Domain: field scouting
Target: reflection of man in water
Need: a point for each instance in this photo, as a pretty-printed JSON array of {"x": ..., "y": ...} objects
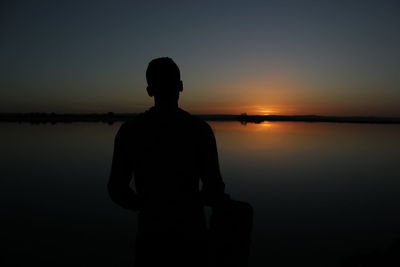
[{"x": 167, "y": 152}]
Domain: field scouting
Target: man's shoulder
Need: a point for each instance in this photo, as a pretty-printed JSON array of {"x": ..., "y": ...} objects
[
  {"x": 129, "y": 125},
  {"x": 146, "y": 120},
  {"x": 197, "y": 121}
]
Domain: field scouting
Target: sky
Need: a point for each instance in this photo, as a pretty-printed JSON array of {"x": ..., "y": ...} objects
[{"x": 255, "y": 57}]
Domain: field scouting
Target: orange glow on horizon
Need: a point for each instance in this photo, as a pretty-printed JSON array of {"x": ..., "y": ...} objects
[{"x": 264, "y": 111}]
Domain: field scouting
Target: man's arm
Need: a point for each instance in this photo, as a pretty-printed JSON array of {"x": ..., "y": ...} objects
[
  {"x": 212, "y": 184},
  {"x": 121, "y": 174}
]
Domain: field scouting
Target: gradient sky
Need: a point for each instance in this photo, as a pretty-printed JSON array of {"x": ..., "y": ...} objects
[{"x": 260, "y": 57}]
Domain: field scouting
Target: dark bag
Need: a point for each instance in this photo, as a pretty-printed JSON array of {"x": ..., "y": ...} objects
[{"x": 230, "y": 234}]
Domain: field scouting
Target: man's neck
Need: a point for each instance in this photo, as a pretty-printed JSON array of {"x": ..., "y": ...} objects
[{"x": 166, "y": 106}]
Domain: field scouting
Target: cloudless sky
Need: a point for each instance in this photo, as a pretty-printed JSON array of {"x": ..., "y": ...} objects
[{"x": 259, "y": 57}]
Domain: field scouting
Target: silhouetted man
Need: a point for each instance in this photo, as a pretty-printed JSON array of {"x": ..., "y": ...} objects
[{"x": 168, "y": 152}]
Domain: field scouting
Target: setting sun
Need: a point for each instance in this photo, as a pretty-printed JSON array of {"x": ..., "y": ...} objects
[{"x": 264, "y": 111}]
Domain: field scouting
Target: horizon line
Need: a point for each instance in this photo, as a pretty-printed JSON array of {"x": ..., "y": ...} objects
[
  {"x": 111, "y": 117},
  {"x": 111, "y": 113}
]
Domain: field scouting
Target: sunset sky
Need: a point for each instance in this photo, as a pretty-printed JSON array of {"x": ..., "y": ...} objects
[{"x": 259, "y": 57}]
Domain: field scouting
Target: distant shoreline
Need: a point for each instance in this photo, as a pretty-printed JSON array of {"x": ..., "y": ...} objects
[{"x": 110, "y": 117}]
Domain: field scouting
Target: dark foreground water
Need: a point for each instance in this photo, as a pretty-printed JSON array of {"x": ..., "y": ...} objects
[{"x": 321, "y": 192}]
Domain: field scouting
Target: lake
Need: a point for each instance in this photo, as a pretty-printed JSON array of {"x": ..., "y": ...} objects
[{"x": 321, "y": 192}]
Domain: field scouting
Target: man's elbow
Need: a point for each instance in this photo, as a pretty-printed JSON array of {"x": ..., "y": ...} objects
[
  {"x": 214, "y": 193},
  {"x": 123, "y": 196}
]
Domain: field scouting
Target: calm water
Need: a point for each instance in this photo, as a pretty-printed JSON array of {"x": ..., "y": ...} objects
[{"x": 320, "y": 191}]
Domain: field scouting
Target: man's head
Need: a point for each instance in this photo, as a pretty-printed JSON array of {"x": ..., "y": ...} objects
[{"x": 164, "y": 80}]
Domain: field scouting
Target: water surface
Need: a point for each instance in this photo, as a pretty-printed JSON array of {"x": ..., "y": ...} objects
[{"x": 320, "y": 191}]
